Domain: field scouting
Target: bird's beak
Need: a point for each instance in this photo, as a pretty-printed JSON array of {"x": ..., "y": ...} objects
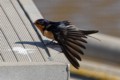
[{"x": 34, "y": 23}]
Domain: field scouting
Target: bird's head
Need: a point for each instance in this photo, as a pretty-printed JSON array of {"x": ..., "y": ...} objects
[{"x": 41, "y": 24}]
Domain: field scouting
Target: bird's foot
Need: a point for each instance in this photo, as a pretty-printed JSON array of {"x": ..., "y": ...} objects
[{"x": 51, "y": 43}]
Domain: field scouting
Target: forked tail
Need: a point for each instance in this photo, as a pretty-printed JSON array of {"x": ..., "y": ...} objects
[{"x": 85, "y": 32}]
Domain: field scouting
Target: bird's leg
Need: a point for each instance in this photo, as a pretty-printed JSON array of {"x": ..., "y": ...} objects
[{"x": 51, "y": 42}]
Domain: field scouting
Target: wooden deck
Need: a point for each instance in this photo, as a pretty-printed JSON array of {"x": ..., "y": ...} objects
[
  {"x": 22, "y": 44},
  {"x": 20, "y": 38}
]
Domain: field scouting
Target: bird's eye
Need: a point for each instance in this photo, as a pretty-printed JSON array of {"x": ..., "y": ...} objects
[{"x": 37, "y": 22}]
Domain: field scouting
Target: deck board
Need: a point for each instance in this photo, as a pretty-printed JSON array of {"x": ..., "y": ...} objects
[
  {"x": 34, "y": 14},
  {"x": 30, "y": 30},
  {"x": 11, "y": 36},
  {"x": 17, "y": 17},
  {"x": 21, "y": 43},
  {"x": 21, "y": 32},
  {"x": 7, "y": 55}
]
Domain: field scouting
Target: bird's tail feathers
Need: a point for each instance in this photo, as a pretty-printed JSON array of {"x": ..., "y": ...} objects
[{"x": 89, "y": 31}]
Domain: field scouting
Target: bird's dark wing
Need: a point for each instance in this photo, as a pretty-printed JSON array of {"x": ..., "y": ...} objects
[{"x": 71, "y": 41}]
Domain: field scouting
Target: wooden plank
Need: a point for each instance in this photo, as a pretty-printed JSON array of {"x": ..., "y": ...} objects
[
  {"x": 1, "y": 60},
  {"x": 7, "y": 55},
  {"x": 36, "y": 42},
  {"x": 29, "y": 5},
  {"x": 22, "y": 33},
  {"x": 11, "y": 36},
  {"x": 34, "y": 14}
]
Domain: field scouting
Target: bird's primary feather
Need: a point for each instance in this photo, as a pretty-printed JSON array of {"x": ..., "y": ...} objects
[{"x": 71, "y": 44}]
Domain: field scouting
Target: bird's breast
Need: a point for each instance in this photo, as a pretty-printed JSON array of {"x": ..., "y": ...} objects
[{"x": 48, "y": 34}]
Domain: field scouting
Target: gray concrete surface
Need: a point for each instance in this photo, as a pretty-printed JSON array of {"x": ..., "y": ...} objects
[{"x": 33, "y": 71}]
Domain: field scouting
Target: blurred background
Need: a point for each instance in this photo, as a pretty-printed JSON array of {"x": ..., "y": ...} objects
[
  {"x": 103, "y": 15},
  {"x": 102, "y": 57}
]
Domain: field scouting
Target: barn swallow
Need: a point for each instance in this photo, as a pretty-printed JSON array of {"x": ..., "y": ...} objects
[{"x": 68, "y": 36}]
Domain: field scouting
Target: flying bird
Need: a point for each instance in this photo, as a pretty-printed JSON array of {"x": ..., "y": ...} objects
[{"x": 69, "y": 37}]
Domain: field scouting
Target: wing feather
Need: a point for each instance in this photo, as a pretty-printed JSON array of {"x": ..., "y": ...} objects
[
  {"x": 74, "y": 46},
  {"x": 76, "y": 54},
  {"x": 77, "y": 43},
  {"x": 71, "y": 41},
  {"x": 77, "y": 38},
  {"x": 68, "y": 54}
]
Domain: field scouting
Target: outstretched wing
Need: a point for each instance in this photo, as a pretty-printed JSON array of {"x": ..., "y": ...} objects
[{"x": 71, "y": 41}]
